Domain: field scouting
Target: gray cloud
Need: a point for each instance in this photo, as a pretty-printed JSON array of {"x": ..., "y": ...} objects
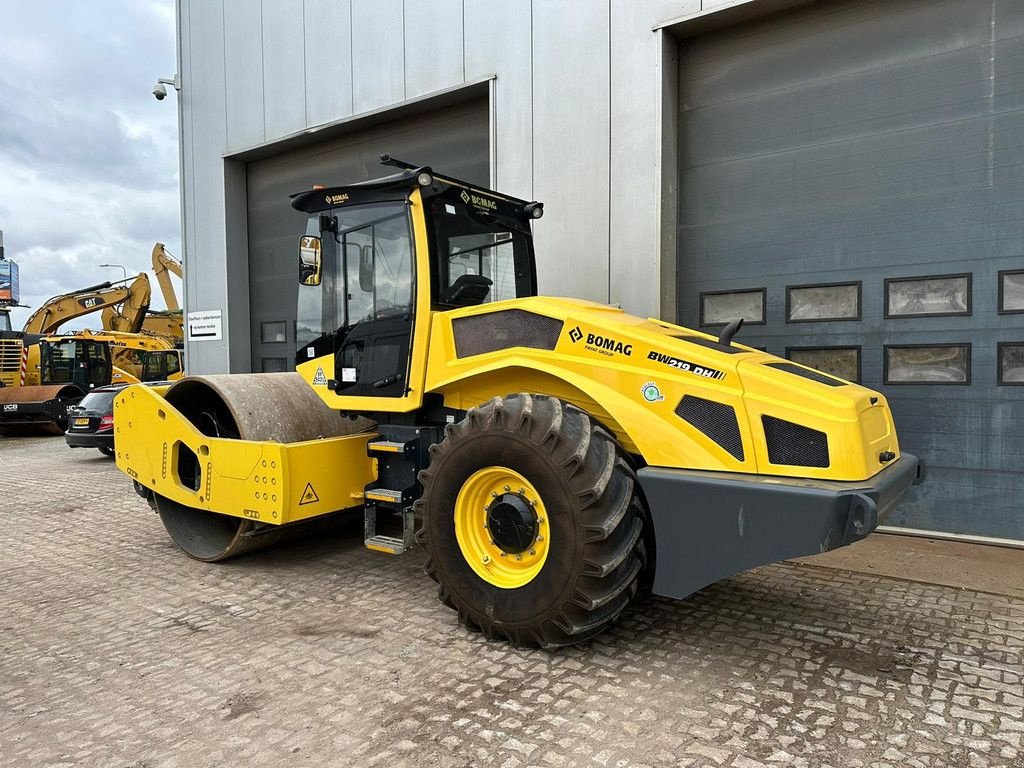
[{"x": 88, "y": 159}]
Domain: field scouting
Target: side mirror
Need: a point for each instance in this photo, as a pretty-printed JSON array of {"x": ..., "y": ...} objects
[
  {"x": 366, "y": 269},
  {"x": 309, "y": 260}
]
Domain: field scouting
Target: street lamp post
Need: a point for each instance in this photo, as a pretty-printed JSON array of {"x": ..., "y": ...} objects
[{"x": 122, "y": 267}]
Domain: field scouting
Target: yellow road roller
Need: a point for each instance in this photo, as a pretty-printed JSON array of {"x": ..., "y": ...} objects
[{"x": 554, "y": 457}]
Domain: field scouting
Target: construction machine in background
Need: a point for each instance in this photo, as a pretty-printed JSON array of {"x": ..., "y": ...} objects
[
  {"x": 162, "y": 365},
  {"x": 169, "y": 323},
  {"x": 555, "y": 457},
  {"x": 69, "y": 367}
]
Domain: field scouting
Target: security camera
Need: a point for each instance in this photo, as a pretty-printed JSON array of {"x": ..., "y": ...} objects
[{"x": 159, "y": 92}]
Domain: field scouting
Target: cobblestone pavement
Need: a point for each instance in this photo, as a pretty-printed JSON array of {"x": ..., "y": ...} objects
[{"x": 117, "y": 650}]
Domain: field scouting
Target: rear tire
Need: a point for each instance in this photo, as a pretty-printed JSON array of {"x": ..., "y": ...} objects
[
  {"x": 106, "y": 451},
  {"x": 594, "y": 554}
]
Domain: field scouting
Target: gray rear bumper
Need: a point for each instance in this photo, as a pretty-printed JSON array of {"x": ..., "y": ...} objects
[{"x": 709, "y": 525}]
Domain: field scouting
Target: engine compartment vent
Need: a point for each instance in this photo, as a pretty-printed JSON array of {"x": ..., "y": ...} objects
[
  {"x": 716, "y": 420},
  {"x": 507, "y": 328},
  {"x": 793, "y": 444}
]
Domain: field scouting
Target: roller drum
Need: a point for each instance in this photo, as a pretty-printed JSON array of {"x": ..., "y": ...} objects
[{"x": 271, "y": 407}]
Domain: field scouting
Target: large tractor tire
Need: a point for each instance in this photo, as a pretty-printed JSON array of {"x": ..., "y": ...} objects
[
  {"x": 532, "y": 522},
  {"x": 277, "y": 407}
]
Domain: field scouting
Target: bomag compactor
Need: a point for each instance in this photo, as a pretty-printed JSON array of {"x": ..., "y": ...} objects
[{"x": 554, "y": 457}]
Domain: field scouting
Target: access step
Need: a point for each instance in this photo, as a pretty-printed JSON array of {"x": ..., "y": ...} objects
[
  {"x": 389, "y": 545},
  {"x": 381, "y": 542},
  {"x": 387, "y": 495},
  {"x": 388, "y": 446}
]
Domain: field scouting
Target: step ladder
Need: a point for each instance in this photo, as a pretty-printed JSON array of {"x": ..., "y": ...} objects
[{"x": 400, "y": 452}]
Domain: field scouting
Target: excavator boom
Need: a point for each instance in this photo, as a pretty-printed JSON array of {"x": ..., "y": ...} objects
[{"x": 163, "y": 262}]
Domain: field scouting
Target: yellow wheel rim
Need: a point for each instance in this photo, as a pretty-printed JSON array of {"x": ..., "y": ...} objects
[{"x": 486, "y": 506}]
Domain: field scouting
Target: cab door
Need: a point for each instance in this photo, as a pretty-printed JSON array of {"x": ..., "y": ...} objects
[{"x": 381, "y": 349}]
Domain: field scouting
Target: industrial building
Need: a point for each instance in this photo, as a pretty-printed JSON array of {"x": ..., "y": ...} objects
[{"x": 845, "y": 174}]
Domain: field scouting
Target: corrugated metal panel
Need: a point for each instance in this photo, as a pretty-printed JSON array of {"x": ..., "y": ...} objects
[
  {"x": 510, "y": 55},
  {"x": 571, "y": 145},
  {"x": 453, "y": 139},
  {"x": 328, "y": 49},
  {"x": 429, "y": 64},
  {"x": 284, "y": 64},
  {"x": 858, "y": 141},
  {"x": 378, "y": 54},
  {"x": 242, "y": 62}
]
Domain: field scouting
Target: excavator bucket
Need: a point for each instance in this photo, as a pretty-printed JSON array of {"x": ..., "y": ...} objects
[{"x": 41, "y": 410}]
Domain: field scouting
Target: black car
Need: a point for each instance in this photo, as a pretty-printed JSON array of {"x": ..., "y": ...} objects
[{"x": 91, "y": 423}]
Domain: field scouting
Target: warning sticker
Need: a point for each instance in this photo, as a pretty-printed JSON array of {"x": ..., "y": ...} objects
[
  {"x": 309, "y": 495},
  {"x": 319, "y": 380}
]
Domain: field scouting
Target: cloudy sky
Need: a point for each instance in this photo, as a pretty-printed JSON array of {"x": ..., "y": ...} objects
[{"x": 88, "y": 158}]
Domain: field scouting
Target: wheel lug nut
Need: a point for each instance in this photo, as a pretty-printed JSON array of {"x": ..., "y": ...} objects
[
  {"x": 507, "y": 489},
  {"x": 533, "y": 551},
  {"x": 540, "y": 538},
  {"x": 504, "y": 554},
  {"x": 521, "y": 491},
  {"x": 519, "y": 557},
  {"x": 494, "y": 494},
  {"x": 487, "y": 560}
]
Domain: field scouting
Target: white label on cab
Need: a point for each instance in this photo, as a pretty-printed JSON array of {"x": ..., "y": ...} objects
[{"x": 348, "y": 374}]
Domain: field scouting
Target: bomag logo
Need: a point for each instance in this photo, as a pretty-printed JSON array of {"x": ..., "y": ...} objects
[
  {"x": 604, "y": 345},
  {"x": 337, "y": 199},
  {"x": 479, "y": 202}
]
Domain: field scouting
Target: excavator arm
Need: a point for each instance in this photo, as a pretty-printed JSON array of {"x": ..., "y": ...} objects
[
  {"x": 128, "y": 315},
  {"x": 104, "y": 296},
  {"x": 163, "y": 262}
]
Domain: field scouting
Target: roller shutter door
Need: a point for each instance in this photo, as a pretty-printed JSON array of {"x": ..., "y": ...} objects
[
  {"x": 878, "y": 146},
  {"x": 454, "y": 140}
]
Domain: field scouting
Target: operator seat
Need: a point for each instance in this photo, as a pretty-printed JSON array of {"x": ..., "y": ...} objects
[{"x": 466, "y": 291}]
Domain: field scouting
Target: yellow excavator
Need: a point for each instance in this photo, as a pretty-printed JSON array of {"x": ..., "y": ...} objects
[
  {"x": 554, "y": 457},
  {"x": 168, "y": 323}
]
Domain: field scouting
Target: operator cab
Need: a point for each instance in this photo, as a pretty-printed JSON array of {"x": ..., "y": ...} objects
[
  {"x": 378, "y": 254},
  {"x": 83, "y": 362},
  {"x": 160, "y": 364}
]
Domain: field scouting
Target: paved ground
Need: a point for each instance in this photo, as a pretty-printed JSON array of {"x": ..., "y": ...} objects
[{"x": 116, "y": 650}]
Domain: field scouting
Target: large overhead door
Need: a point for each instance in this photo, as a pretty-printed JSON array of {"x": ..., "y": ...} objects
[
  {"x": 454, "y": 140},
  {"x": 852, "y": 176}
]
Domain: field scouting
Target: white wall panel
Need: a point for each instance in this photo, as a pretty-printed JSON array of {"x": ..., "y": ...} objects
[
  {"x": 378, "y": 54},
  {"x": 243, "y": 71},
  {"x": 328, "y": 76},
  {"x": 433, "y": 45},
  {"x": 284, "y": 64},
  {"x": 509, "y": 55},
  {"x": 635, "y": 171},
  {"x": 570, "y": 158}
]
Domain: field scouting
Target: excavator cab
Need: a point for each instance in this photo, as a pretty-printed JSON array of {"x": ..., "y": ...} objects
[
  {"x": 161, "y": 365},
  {"x": 378, "y": 257}
]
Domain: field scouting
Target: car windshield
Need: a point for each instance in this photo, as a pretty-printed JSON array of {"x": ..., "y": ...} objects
[{"x": 100, "y": 402}]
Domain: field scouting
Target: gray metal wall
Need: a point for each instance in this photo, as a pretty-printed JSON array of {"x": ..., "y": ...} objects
[
  {"x": 576, "y": 122},
  {"x": 455, "y": 139},
  {"x": 858, "y": 141}
]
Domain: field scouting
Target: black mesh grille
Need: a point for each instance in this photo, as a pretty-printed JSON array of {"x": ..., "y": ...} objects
[
  {"x": 479, "y": 334},
  {"x": 807, "y": 374},
  {"x": 792, "y": 444},
  {"x": 716, "y": 420}
]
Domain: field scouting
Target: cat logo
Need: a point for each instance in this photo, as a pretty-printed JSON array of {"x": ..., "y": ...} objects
[{"x": 319, "y": 380}]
